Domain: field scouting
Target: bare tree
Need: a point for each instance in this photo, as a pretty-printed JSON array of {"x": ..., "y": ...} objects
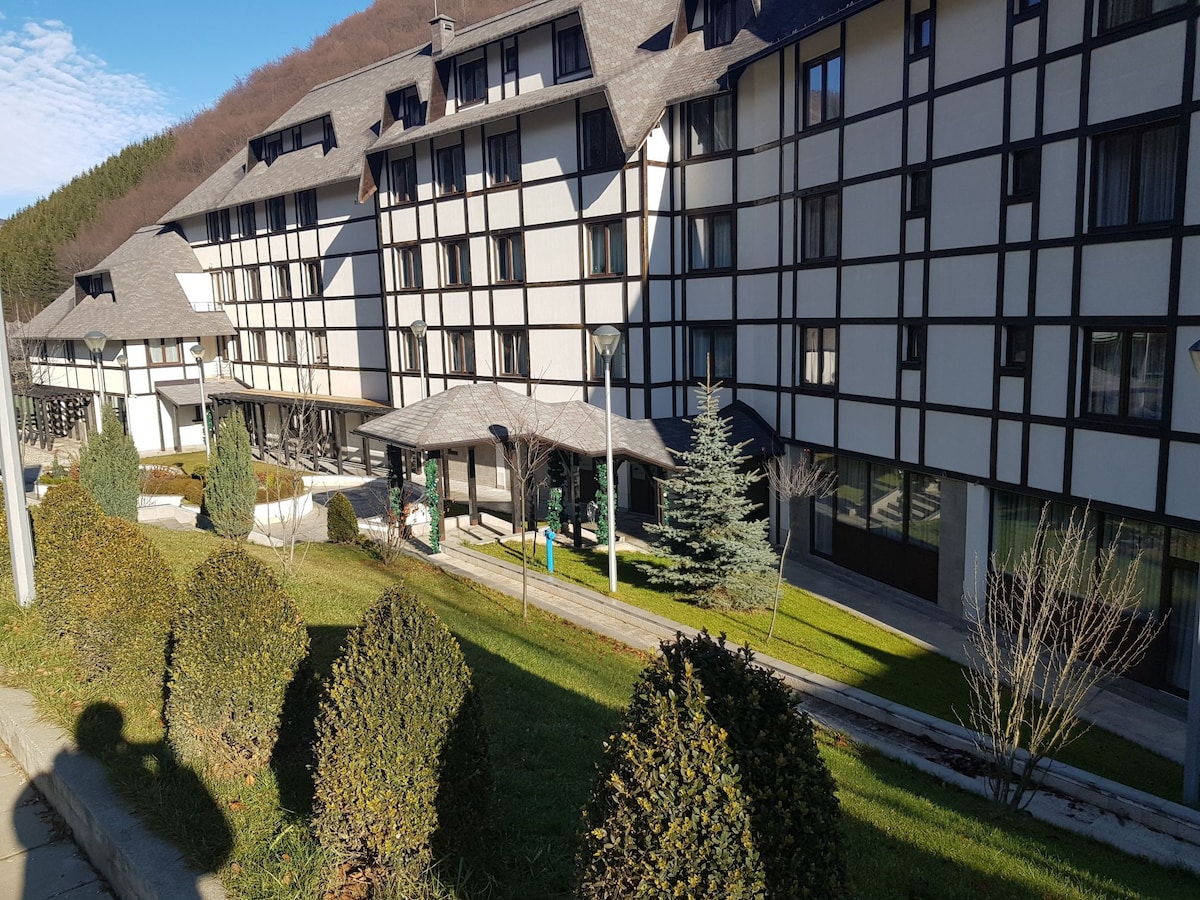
[
  {"x": 795, "y": 480},
  {"x": 1059, "y": 625}
]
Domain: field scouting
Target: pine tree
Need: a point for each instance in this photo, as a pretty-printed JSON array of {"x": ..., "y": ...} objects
[
  {"x": 717, "y": 556},
  {"x": 108, "y": 468},
  {"x": 230, "y": 487}
]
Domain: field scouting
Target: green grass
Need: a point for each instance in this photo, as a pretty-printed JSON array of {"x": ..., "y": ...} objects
[
  {"x": 824, "y": 639},
  {"x": 552, "y": 693}
]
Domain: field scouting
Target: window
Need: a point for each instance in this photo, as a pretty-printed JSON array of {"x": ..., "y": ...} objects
[
  {"x": 328, "y": 137},
  {"x": 258, "y": 346},
  {"x": 163, "y": 352},
  {"x": 514, "y": 353},
  {"x": 462, "y": 352},
  {"x": 281, "y": 275},
  {"x": 607, "y": 241},
  {"x": 411, "y": 347},
  {"x": 408, "y": 266},
  {"x": 218, "y": 225},
  {"x": 306, "y": 208},
  {"x": 721, "y": 28},
  {"x": 1124, "y": 371},
  {"x": 451, "y": 170},
  {"x": 504, "y": 164},
  {"x": 276, "y": 214},
  {"x": 287, "y": 346},
  {"x": 247, "y": 221},
  {"x": 710, "y": 125},
  {"x": 223, "y": 288},
  {"x": 712, "y": 352},
  {"x": 1017, "y": 342},
  {"x": 823, "y": 90},
  {"x": 320, "y": 348},
  {"x": 404, "y": 180},
  {"x": 472, "y": 81},
  {"x": 914, "y": 345},
  {"x": 1115, "y": 13},
  {"x": 508, "y": 57},
  {"x": 510, "y": 257},
  {"x": 601, "y": 146},
  {"x": 407, "y": 108},
  {"x": 572, "y": 52},
  {"x": 314, "y": 284},
  {"x": 818, "y": 348},
  {"x": 1025, "y": 6},
  {"x": 918, "y": 191},
  {"x": 710, "y": 242},
  {"x": 620, "y": 365},
  {"x": 93, "y": 285},
  {"x": 253, "y": 283},
  {"x": 1133, "y": 177},
  {"x": 1026, "y": 172},
  {"x": 822, "y": 226},
  {"x": 922, "y": 32},
  {"x": 274, "y": 149},
  {"x": 458, "y": 262}
]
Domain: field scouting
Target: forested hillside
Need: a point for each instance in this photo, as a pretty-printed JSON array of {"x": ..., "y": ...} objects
[{"x": 77, "y": 225}]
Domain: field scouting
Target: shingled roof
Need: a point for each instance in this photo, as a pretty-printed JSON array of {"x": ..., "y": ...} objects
[{"x": 146, "y": 301}]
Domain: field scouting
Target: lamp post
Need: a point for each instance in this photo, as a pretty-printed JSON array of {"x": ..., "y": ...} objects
[
  {"x": 20, "y": 535},
  {"x": 95, "y": 341},
  {"x": 419, "y": 328},
  {"x": 1191, "y": 753},
  {"x": 123, "y": 361},
  {"x": 197, "y": 351},
  {"x": 606, "y": 339}
]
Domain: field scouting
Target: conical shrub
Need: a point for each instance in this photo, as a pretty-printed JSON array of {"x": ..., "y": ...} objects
[{"x": 341, "y": 523}]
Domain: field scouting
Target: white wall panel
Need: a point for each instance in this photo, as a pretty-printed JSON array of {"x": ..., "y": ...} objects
[
  {"x": 958, "y": 443},
  {"x": 874, "y": 58},
  {"x": 1012, "y": 394},
  {"x": 816, "y": 293},
  {"x": 758, "y": 175},
  {"x": 1025, "y": 39},
  {"x": 910, "y": 435},
  {"x": 917, "y": 133},
  {"x": 814, "y": 420},
  {"x": 963, "y": 285},
  {"x": 604, "y": 302},
  {"x": 1047, "y": 444},
  {"x": 1065, "y": 25},
  {"x": 818, "y": 159},
  {"x": 1054, "y": 278},
  {"x": 547, "y": 202},
  {"x": 1189, "y": 275},
  {"x": 508, "y": 307},
  {"x": 1051, "y": 352},
  {"x": 867, "y": 428},
  {"x": 758, "y": 357},
  {"x": 1057, "y": 190},
  {"x": 970, "y": 39},
  {"x": 871, "y": 218},
  {"x": 872, "y": 144},
  {"x": 1183, "y": 487},
  {"x": 960, "y": 365},
  {"x": 965, "y": 204},
  {"x": 1060, "y": 110},
  {"x": 548, "y": 143},
  {"x": 709, "y": 298},
  {"x": 758, "y": 236},
  {"x": 1115, "y": 468},
  {"x": 969, "y": 119},
  {"x": 535, "y": 60},
  {"x": 552, "y": 254},
  {"x": 867, "y": 360},
  {"x": 662, "y": 364},
  {"x": 757, "y": 103},
  {"x": 1023, "y": 121},
  {"x": 602, "y": 194},
  {"x": 758, "y": 296},
  {"x": 1191, "y": 210},
  {"x": 1122, "y": 279},
  {"x": 914, "y": 288},
  {"x": 1138, "y": 74},
  {"x": 1185, "y": 405},
  {"x": 709, "y": 183},
  {"x": 554, "y": 305},
  {"x": 1008, "y": 452},
  {"x": 871, "y": 290}
]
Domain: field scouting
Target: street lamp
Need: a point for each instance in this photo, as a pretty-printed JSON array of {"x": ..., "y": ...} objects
[
  {"x": 197, "y": 351},
  {"x": 20, "y": 535},
  {"x": 606, "y": 339},
  {"x": 122, "y": 359},
  {"x": 1191, "y": 754},
  {"x": 418, "y": 329},
  {"x": 95, "y": 341}
]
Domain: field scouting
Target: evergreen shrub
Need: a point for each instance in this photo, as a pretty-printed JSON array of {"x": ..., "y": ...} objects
[
  {"x": 402, "y": 768},
  {"x": 238, "y": 643},
  {"x": 108, "y": 468},
  {"x": 712, "y": 788},
  {"x": 341, "y": 523},
  {"x": 230, "y": 487}
]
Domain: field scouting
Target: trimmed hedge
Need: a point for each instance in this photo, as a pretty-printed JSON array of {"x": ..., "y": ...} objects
[
  {"x": 713, "y": 788},
  {"x": 341, "y": 523},
  {"x": 238, "y": 643},
  {"x": 108, "y": 468},
  {"x": 402, "y": 769},
  {"x": 191, "y": 489}
]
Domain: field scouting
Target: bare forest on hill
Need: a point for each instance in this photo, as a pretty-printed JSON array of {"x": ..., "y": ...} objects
[{"x": 42, "y": 246}]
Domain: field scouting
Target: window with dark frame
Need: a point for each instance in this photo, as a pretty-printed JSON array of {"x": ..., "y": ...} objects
[
  {"x": 619, "y": 362},
  {"x": 287, "y": 346},
  {"x": 504, "y": 163},
  {"x": 276, "y": 214},
  {"x": 451, "y": 170},
  {"x": 821, "y": 226},
  {"x": 1018, "y": 341},
  {"x": 253, "y": 283},
  {"x": 258, "y": 346},
  {"x": 606, "y": 241},
  {"x": 247, "y": 220},
  {"x": 163, "y": 351},
  {"x": 1026, "y": 172},
  {"x": 710, "y": 125},
  {"x": 1024, "y": 6},
  {"x": 461, "y": 345},
  {"x": 818, "y": 356},
  {"x": 918, "y": 191},
  {"x": 1117, "y": 13},
  {"x": 721, "y": 25},
  {"x": 1134, "y": 173},
  {"x": 314, "y": 284},
  {"x": 1124, "y": 370},
  {"x": 281, "y": 275},
  {"x": 273, "y": 149},
  {"x": 914, "y": 345},
  {"x": 411, "y": 111},
  {"x": 601, "y": 146},
  {"x": 410, "y": 359},
  {"x": 458, "y": 262},
  {"x": 573, "y": 56},
  {"x": 514, "y": 352},
  {"x": 404, "y": 179},
  {"x": 508, "y": 59},
  {"x": 306, "y": 208},
  {"x": 408, "y": 267},
  {"x": 217, "y": 223},
  {"x": 510, "y": 257},
  {"x": 472, "y": 81},
  {"x": 710, "y": 242},
  {"x": 712, "y": 346},
  {"x": 320, "y": 348},
  {"x": 823, "y": 90},
  {"x": 328, "y": 136},
  {"x": 922, "y": 32},
  {"x": 223, "y": 287},
  {"x": 93, "y": 285}
]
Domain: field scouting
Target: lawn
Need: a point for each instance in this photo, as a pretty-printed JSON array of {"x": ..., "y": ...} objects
[
  {"x": 552, "y": 693},
  {"x": 825, "y": 639}
]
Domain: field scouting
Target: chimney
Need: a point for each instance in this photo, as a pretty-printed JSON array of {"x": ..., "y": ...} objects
[{"x": 441, "y": 29}]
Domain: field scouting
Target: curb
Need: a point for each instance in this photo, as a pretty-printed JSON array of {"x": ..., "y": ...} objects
[{"x": 138, "y": 864}]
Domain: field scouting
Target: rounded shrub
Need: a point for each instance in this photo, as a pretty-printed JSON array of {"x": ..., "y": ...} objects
[
  {"x": 238, "y": 643},
  {"x": 341, "y": 522},
  {"x": 713, "y": 788},
  {"x": 402, "y": 768}
]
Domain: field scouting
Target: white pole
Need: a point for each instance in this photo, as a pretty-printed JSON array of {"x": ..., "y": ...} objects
[
  {"x": 20, "y": 538},
  {"x": 203, "y": 408},
  {"x": 421, "y": 363},
  {"x": 99, "y": 392},
  {"x": 612, "y": 506}
]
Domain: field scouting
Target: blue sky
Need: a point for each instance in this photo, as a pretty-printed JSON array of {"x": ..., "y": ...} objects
[{"x": 80, "y": 79}]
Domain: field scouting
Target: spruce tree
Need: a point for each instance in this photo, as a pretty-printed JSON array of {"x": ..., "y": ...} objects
[
  {"x": 717, "y": 555},
  {"x": 108, "y": 468},
  {"x": 230, "y": 488}
]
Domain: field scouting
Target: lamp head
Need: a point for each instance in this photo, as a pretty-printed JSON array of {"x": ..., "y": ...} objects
[
  {"x": 197, "y": 351},
  {"x": 95, "y": 341},
  {"x": 122, "y": 359},
  {"x": 419, "y": 328},
  {"x": 606, "y": 339}
]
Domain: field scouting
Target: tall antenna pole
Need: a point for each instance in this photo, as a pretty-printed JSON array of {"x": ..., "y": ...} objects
[{"x": 20, "y": 538}]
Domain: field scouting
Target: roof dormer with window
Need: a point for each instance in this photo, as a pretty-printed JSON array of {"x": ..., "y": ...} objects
[{"x": 267, "y": 148}]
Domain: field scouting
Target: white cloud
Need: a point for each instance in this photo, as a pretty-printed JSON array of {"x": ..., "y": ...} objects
[{"x": 65, "y": 111}]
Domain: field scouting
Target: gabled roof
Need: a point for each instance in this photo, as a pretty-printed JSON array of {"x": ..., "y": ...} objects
[
  {"x": 506, "y": 24},
  {"x": 147, "y": 299}
]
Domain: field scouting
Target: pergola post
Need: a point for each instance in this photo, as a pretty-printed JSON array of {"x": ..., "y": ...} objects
[{"x": 472, "y": 498}]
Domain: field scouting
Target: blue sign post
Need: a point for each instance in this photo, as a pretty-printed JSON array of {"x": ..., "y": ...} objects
[{"x": 550, "y": 536}]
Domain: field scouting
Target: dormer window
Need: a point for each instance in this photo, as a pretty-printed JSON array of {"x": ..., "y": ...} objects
[
  {"x": 93, "y": 285},
  {"x": 314, "y": 132},
  {"x": 721, "y": 28},
  {"x": 328, "y": 138},
  {"x": 472, "y": 81},
  {"x": 273, "y": 150},
  {"x": 572, "y": 52},
  {"x": 217, "y": 224}
]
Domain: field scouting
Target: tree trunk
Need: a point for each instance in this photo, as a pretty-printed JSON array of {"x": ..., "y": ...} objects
[{"x": 779, "y": 582}]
